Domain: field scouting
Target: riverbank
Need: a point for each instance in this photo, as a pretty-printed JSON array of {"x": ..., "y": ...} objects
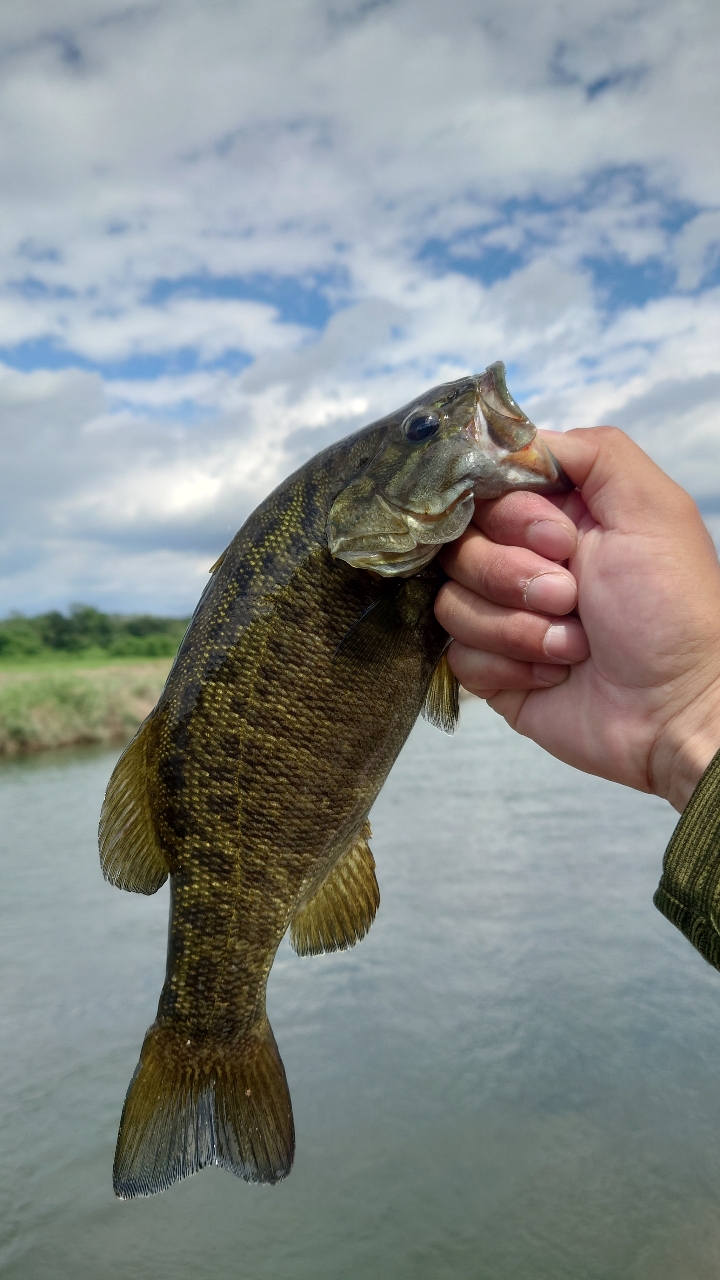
[
  {"x": 78, "y": 700},
  {"x": 62, "y": 704}
]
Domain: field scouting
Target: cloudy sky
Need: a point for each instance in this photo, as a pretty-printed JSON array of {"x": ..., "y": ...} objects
[{"x": 231, "y": 231}]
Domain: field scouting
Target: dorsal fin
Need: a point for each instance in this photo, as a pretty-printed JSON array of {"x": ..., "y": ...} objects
[
  {"x": 343, "y": 908},
  {"x": 442, "y": 700},
  {"x": 130, "y": 854},
  {"x": 214, "y": 567}
]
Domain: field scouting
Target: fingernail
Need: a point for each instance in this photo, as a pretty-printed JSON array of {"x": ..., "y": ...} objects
[
  {"x": 566, "y": 641},
  {"x": 551, "y": 593},
  {"x": 550, "y": 539},
  {"x": 550, "y": 674}
]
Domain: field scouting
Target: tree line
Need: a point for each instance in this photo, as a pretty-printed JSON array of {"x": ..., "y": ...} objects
[{"x": 84, "y": 628}]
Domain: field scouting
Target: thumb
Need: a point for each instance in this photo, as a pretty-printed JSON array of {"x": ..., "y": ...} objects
[{"x": 621, "y": 486}]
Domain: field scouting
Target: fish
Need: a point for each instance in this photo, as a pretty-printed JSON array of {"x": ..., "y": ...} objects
[{"x": 312, "y": 651}]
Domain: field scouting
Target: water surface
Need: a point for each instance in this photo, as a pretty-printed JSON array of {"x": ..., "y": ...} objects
[{"x": 516, "y": 1075}]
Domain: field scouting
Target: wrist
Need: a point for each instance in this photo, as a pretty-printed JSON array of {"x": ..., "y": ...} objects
[{"x": 684, "y": 749}]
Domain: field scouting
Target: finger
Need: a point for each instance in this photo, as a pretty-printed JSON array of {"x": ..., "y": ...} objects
[
  {"x": 528, "y": 520},
  {"x": 508, "y": 703},
  {"x": 484, "y": 674},
  {"x": 529, "y": 637},
  {"x": 509, "y": 576}
]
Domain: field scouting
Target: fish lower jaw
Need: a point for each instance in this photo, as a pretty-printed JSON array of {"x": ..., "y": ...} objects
[{"x": 391, "y": 564}]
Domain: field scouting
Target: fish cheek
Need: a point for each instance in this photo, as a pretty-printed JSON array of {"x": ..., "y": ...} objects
[
  {"x": 393, "y": 518},
  {"x": 361, "y": 520},
  {"x": 430, "y": 478}
]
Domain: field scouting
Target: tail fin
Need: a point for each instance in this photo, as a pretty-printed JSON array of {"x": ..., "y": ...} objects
[{"x": 190, "y": 1105}]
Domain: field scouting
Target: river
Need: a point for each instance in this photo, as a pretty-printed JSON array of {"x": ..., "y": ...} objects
[{"x": 515, "y": 1076}]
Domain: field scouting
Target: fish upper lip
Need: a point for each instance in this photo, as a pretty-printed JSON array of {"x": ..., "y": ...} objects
[{"x": 440, "y": 515}]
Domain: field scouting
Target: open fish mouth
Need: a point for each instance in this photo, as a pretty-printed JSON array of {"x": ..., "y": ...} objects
[
  {"x": 501, "y": 431},
  {"x": 498, "y": 414},
  {"x": 535, "y": 468},
  {"x": 460, "y": 442}
]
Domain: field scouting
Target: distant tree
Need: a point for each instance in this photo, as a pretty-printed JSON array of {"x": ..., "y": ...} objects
[{"x": 86, "y": 628}]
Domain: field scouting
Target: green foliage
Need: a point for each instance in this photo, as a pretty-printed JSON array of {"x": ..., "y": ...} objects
[
  {"x": 85, "y": 629},
  {"x": 40, "y": 709}
]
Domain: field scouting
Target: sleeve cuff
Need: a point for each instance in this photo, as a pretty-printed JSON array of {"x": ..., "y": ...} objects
[{"x": 689, "y": 891}]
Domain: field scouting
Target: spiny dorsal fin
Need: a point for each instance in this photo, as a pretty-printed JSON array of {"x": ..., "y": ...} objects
[
  {"x": 130, "y": 854},
  {"x": 442, "y": 700},
  {"x": 344, "y": 907},
  {"x": 214, "y": 567}
]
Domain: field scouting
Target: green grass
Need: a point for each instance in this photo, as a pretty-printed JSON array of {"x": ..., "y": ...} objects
[
  {"x": 46, "y": 704},
  {"x": 52, "y": 660},
  {"x": 80, "y": 677}
]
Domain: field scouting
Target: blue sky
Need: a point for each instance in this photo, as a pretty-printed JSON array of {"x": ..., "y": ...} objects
[{"x": 231, "y": 233}]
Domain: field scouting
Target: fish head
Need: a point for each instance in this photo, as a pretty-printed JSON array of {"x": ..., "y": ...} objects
[{"x": 458, "y": 442}]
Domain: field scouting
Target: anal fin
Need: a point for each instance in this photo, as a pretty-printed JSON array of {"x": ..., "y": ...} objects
[
  {"x": 341, "y": 911},
  {"x": 130, "y": 853},
  {"x": 442, "y": 700}
]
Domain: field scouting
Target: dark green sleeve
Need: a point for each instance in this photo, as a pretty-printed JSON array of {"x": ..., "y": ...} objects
[{"x": 689, "y": 891}]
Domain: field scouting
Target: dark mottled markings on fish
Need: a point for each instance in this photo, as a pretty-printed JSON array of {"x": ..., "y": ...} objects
[{"x": 310, "y": 655}]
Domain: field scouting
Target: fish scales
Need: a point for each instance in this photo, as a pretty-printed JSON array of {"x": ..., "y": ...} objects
[{"x": 306, "y": 664}]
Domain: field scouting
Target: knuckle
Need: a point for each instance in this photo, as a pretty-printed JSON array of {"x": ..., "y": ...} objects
[
  {"x": 506, "y": 573},
  {"x": 446, "y": 605},
  {"x": 491, "y": 569},
  {"x": 687, "y": 506},
  {"x": 613, "y": 438},
  {"x": 608, "y": 432},
  {"x": 455, "y": 608},
  {"x": 517, "y": 633}
]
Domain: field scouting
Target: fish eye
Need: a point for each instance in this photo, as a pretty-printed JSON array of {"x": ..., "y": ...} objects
[{"x": 420, "y": 426}]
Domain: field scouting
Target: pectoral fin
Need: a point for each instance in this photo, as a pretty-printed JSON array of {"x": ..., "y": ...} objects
[
  {"x": 442, "y": 700},
  {"x": 344, "y": 907},
  {"x": 377, "y": 638},
  {"x": 130, "y": 854}
]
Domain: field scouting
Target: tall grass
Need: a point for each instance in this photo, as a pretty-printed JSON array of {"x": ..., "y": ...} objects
[{"x": 56, "y": 708}]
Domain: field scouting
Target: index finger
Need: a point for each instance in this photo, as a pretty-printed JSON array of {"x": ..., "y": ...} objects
[{"x": 529, "y": 520}]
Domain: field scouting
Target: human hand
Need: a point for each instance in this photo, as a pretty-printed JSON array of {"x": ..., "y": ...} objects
[{"x": 630, "y": 688}]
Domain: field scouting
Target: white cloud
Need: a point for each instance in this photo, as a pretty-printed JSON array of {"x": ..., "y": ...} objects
[
  {"x": 458, "y": 183},
  {"x": 697, "y": 248}
]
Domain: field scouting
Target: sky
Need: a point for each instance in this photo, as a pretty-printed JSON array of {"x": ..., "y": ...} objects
[{"x": 231, "y": 232}]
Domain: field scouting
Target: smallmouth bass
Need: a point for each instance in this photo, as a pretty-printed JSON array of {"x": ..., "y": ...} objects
[{"x": 311, "y": 653}]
